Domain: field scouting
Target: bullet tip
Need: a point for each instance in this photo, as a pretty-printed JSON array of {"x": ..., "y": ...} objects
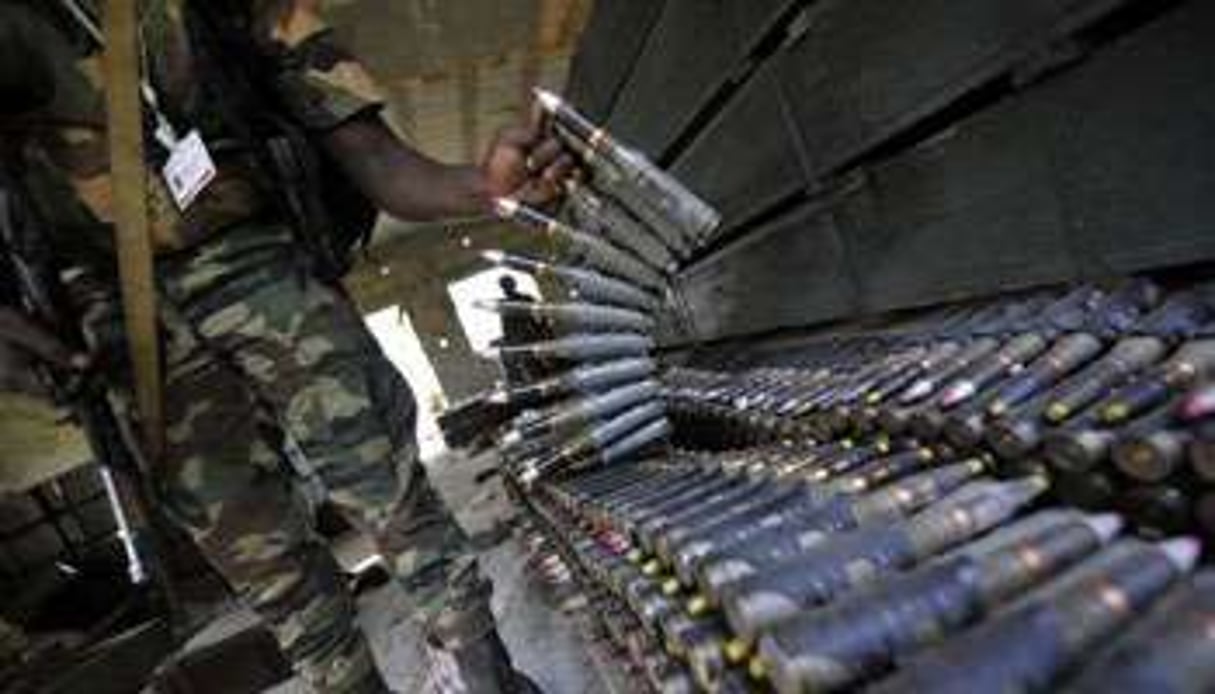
[
  {"x": 1036, "y": 484},
  {"x": 1105, "y": 525},
  {"x": 506, "y": 207},
  {"x": 1183, "y": 552},
  {"x": 530, "y": 475},
  {"x": 548, "y": 101}
]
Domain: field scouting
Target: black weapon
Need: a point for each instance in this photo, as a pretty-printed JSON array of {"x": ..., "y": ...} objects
[{"x": 25, "y": 242}]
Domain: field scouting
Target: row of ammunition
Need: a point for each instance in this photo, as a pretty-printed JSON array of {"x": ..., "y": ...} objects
[
  {"x": 1114, "y": 399},
  {"x": 809, "y": 569},
  {"x": 877, "y": 530},
  {"x": 936, "y": 504},
  {"x": 598, "y": 400}
]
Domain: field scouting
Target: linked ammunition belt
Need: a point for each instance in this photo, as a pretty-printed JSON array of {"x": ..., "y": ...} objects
[{"x": 1005, "y": 497}]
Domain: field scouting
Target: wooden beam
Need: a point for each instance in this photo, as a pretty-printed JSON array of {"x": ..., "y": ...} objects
[{"x": 129, "y": 175}]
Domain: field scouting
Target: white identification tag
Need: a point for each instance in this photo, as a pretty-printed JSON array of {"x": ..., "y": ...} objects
[{"x": 189, "y": 170}]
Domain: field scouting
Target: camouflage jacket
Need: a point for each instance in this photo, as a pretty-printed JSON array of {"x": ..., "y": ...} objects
[{"x": 319, "y": 83}]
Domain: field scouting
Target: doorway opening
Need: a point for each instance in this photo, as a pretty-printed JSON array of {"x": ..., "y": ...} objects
[
  {"x": 484, "y": 328},
  {"x": 397, "y": 337}
]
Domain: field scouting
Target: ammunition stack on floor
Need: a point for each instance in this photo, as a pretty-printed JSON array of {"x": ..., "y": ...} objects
[
  {"x": 600, "y": 405},
  {"x": 816, "y": 569},
  {"x": 1002, "y": 497},
  {"x": 1104, "y": 390}
]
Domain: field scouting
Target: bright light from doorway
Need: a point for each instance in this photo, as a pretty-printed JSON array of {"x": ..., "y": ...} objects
[
  {"x": 395, "y": 333},
  {"x": 483, "y": 327}
]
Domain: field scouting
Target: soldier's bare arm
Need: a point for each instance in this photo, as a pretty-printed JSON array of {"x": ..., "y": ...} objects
[
  {"x": 410, "y": 185},
  {"x": 331, "y": 92}
]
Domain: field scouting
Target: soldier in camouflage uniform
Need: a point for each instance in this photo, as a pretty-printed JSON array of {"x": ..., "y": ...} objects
[{"x": 257, "y": 348}]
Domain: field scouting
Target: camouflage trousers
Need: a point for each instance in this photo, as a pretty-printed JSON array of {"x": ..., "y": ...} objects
[{"x": 256, "y": 349}]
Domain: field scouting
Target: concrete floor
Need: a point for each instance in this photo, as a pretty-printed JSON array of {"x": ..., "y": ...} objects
[{"x": 545, "y": 641}]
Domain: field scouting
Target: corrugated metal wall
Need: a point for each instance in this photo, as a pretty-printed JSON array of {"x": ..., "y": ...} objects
[{"x": 872, "y": 155}]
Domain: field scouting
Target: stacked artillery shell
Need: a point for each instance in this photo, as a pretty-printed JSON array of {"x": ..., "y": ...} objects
[
  {"x": 789, "y": 530},
  {"x": 580, "y": 283},
  {"x": 1034, "y": 642},
  {"x": 577, "y": 247},
  {"x": 754, "y": 603},
  {"x": 643, "y": 191},
  {"x": 1140, "y": 403},
  {"x": 587, "y": 430},
  {"x": 1168, "y": 652},
  {"x": 921, "y": 507},
  {"x": 861, "y": 638},
  {"x": 592, "y": 212},
  {"x": 632, "y": 224}
]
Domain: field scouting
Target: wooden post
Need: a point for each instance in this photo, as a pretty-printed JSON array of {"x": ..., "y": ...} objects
[{"x": 128, "y": 169}]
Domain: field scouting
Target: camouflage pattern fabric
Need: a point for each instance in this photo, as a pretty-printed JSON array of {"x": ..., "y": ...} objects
[
  {"x": 252, "y": 330},
  {"x": 256, "y": 347},
  {"x": 224, "y": 481},
  {"x": 318, "y": 82}
]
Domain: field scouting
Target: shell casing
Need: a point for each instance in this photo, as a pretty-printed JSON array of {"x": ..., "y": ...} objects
[
  {"x": 1127, "y": 357},
  {"x": 1152, "y": 456},
  {"x": 1191, "y": 363},
  {"x": 608, "y": 182},
  {"x": 929, "y": 363},
  {"x": 1080, "y": 446},
  {"x": 583, "y": 380},
  {"x": 647, "y": 192},
  {"x": 616, "y": 224},
  {"x": 1168, "y": 651},
  {"x": 589, "y": 285},
  {"x": 790, "y": 532},
  {"x": 1027, "y": 646},
  {"x": 1202, "y": 452},
  {"x": 587, "y": 347},
  {"x": 650, "y": 435},
  {"x": 1067, "y": 355},
  {"x": 586, "y": 285},
  {"x": 643, "y": 493},
  {"x": 569, "y": 416},
  {"x": 638, "y": 517},
  {"x": 842, "y": 563},
  {"x": 860, "y": 637},
  {"x": 659, "y": 533},
  {"x": 581, "y": 248},
  {"x": 600, "y": 437},
  {"x": 578, "y": 317},
  {"x": 931, "y": 382},
  {"x": 1009, "y": 359},
  {"x": 603, "y": 486},
  {"x": 681, "y": 632}
]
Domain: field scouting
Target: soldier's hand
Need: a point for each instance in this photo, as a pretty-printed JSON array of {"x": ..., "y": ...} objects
[{"x": 526, "y": 163}]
